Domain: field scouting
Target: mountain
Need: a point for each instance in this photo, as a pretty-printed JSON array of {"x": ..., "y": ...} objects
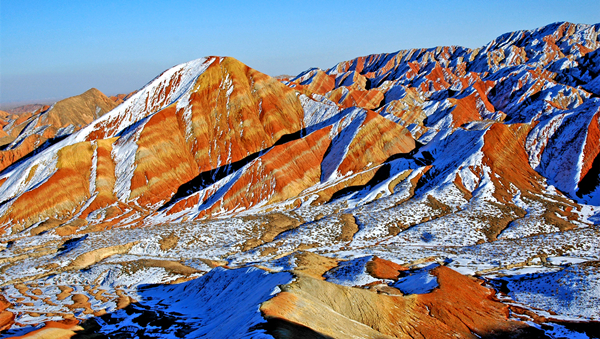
[
  {"x": 120, "y": 98},
  {"x": 28, "y": 108},
  {"x": 25, "y": 132},
  {"x": 428, "y": 192}
]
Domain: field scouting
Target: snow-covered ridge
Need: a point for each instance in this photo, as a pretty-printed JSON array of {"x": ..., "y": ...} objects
[{"x": 161, "y": 92}]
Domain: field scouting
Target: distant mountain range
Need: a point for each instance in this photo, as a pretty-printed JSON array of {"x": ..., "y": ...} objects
[{"x": 424, "y": 193}]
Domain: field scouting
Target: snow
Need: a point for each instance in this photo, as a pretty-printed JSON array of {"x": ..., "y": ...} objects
[
  {"x": 531, "y": 224},
  {"x": 94, "y": 168},
  {"x": 341, "y": 142},
  {"x": 181, "y": 78},
  {"x": 563, "y": 260},
  {"x": 116, "y": 121},
  {"x": 573, "y": 292},
  {"x": 351, "y": 273},
  {"x": 29, "y": 130},
  {"x": 418, "y": 282},
  {"x": 64, "y": 131},
  {"x": 123, "y": 153},
  {"x": 305, "y": 76},
  {"x": 317, "y": 109},
  {"x": 221, "y": 304},
  {"x": 559, "y": 331},
  {"x": 16, "y": 178},
  {"x": 558, "y": 158}
]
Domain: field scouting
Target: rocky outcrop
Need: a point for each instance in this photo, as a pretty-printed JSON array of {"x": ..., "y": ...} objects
[{"x": 336, "y": 311}]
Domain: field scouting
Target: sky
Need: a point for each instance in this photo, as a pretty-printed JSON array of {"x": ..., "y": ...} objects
[{"x": 55, "y": 49}]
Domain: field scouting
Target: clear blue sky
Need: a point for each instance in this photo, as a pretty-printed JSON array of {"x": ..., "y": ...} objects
[{"x": 55, "y": 49}]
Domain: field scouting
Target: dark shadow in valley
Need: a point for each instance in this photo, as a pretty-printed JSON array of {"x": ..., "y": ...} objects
[
  {"x": 135, "y": 321},
  {"x": 33, "y": 153},
  {"x": 591, "y": 180},
  {"x": 284, "y": 329},
  {"x": 384, "y": 172},
  {"x": 70, "y": 245},
  {"x": 521, "y": 333},
  {"x": 210, "y": 177}
]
